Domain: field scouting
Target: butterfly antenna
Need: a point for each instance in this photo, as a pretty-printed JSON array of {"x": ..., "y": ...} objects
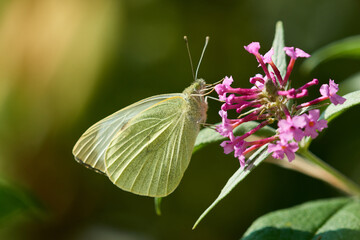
[
  {"x": 188, "y": 49},
  {"x": 202, "y": 54}
]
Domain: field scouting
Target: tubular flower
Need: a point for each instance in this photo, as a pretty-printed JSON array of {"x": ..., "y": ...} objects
[
  {"x": 330, "y": 90},
  {"x": 291, "y": 128},
  {"x": 313, "y": 123},
  {"x": 268, "y": 101},
  {"x": 283, "y": 147}
]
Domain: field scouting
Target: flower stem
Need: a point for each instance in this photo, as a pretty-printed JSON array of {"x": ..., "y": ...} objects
[{"x": 334, "y": 177}]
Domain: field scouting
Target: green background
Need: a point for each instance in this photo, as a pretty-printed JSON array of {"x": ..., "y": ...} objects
[{"x": 66, "y": 64}]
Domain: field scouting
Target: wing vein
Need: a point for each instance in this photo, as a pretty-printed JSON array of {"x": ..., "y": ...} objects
[
  {"x": 138, "y": 152},
  {"x": 172, "y": 153}
]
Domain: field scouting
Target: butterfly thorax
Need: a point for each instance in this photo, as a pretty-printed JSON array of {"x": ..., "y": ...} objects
[{"x": 197, "y": 104}]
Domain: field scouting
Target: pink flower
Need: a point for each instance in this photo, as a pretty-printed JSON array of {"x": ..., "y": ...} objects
[
  {"x": 259, "y": 85},
  {"x": 242, "y": 161},
  {"x": 225, "y": 128},
  {"x": 309, "y": 84},
  {"x": 295, "y": 53},
  {"x": 228, "y": 146},
  {"x": 230, "y": 99},
  {"x": 268, "y": 55},
  {"x": 283, "y": 147},
  {"x": 270, "y": 100},
  {"x": 330, "y": 92},
  {"x": 237, "y": 144},
  {"x": 313, "y": 123},
  {"x": 258, "y": 80},
  {"x": 290, "y": 128},
  {"x": 239, "y": 147},
  {"x": 221, "y": 89},
  {"x": 253, "y": 48}
]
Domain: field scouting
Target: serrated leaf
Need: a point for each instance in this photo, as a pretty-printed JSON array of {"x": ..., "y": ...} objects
[
  {"x": 279, "y": 57},
  {"x": 348, "y": 47},
  {"x": 331, "y": 219},
  {"x": 260, "y": 155},
  {"x": 207, "y": 135}
]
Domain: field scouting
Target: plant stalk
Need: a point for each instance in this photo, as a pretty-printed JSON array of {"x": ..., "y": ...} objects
[{"x": 331, "y": 175}]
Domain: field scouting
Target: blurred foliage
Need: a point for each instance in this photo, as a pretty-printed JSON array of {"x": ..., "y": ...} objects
[
  {"x": 349, "y": 47},
  {"x": 14, "y": 200},
  {"x": 67, "y": 64},
  {"x": 350, "y": 84}
]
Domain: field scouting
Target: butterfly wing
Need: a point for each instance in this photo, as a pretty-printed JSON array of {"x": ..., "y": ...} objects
[
  {"x": 150, "y": 155},
  {"x": 90, "y": 148}
]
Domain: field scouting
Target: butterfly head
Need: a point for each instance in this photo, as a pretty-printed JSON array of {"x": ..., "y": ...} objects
[{"x": 196, "y": 88}]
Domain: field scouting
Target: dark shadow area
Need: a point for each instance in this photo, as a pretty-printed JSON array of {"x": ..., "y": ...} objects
[{"x": 342, "y": 233}]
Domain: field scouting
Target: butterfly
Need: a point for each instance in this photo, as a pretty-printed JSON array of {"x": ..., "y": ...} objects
[{"x": 146, "y": 147}]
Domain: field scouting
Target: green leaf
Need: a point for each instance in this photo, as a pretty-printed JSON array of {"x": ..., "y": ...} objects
[
  {"x": 331, "y": 112},
  {"x": 331, "y": 219},
  {"x": 207, "y": 135},
  {"x": 14, "y": 200},
  {"x": 260, "y": 155},
  {"x": 279, "y": 56},
  {"x": 306, "y": 109},
  {"x": 348, "y": 47}
]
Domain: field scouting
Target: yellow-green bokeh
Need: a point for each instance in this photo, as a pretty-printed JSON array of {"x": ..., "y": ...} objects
[{"x": 65, "y": 64}]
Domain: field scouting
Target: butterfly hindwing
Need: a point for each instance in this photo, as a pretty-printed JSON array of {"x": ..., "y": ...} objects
[{"x": 150, "y": 155}]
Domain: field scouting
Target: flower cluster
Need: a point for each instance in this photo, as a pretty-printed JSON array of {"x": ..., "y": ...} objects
[{"x": 271, "y": 99}]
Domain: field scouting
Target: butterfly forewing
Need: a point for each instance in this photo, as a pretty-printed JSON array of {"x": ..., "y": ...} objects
[
  {"x": 150, "y": 155},
  {"x": 90, "y": 148}
]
